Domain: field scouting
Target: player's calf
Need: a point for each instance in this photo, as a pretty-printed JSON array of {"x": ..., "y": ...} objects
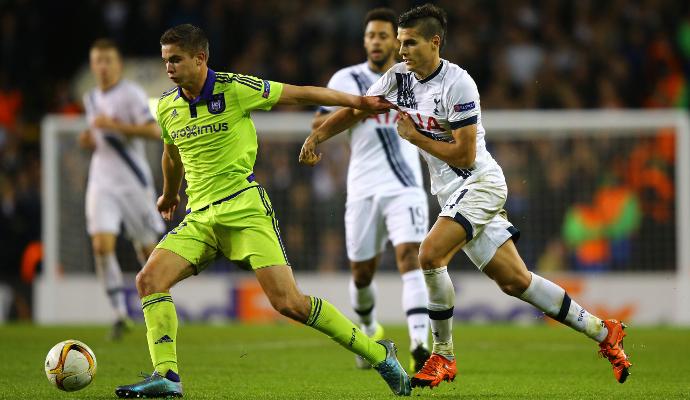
[{"x": 294, "y": 307}]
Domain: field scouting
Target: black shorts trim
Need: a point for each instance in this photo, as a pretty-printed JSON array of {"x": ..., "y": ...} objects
[{"x": 460, "y": 219}]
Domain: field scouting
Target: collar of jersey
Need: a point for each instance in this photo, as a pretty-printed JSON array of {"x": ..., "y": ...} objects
[
  {"x": 206, "y": 90},
  {"x": 433, "y": 74}
]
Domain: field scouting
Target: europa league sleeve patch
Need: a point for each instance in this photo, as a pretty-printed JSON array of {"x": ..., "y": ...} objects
[
  {"x": 464, "y": 106},
  {"x": 267, "y": 89}
]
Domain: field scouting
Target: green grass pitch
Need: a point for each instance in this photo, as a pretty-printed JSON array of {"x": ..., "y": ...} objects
[{"x": 287, "y": 361}]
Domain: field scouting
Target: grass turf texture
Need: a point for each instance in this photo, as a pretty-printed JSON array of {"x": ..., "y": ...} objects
[{"x": 287, "y": 361}]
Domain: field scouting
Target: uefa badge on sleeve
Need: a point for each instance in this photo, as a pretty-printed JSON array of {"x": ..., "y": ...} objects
[{"x": 464, "y": 107}]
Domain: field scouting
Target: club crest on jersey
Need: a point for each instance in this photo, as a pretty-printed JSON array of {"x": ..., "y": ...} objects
[
  {"x": 217, "y": 104},
  {"x": 173, "y": 114},
  {"x": 464, "y": 106},
  {"x": 436, "y": 101}
]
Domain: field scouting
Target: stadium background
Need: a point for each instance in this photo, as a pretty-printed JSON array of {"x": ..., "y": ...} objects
[{"x": 523, "y": 54}]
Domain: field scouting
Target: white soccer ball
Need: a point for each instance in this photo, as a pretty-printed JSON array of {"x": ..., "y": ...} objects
[{"x": 70, "y": 365}]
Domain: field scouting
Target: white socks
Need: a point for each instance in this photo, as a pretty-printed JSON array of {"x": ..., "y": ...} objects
[
  {"x": 362, "y": 301},
  {"x": 108, "y": 271},
  {"x": 441, "y": 303},
  {"x": 414, "y": 302},
  {"x": 555, "y": 302}
]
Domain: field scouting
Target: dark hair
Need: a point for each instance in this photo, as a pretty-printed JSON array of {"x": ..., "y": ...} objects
[
  {"x": 105, "y": 44},
  {"x": 382, "y": 14},
  {"x": 190, "y": 38},
  {"x": 430, "y": 19}
]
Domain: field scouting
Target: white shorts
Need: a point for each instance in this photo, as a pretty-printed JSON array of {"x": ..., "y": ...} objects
[
  {"x": 107, "y": 209},
  {"x": 372, "y": 221},
  {"x": 478, "y": 206}
]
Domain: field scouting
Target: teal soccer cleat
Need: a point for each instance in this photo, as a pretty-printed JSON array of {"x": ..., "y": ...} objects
[
  {"x": 392, "y": 372},
  {"x": 154, "y": 386}
]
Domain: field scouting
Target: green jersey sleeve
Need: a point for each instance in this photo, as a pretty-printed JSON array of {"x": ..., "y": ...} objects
[
  {"x": 165, "y": 136},
  {"x": 256, "y": 94},
  {"x": 164, "y": 132}
]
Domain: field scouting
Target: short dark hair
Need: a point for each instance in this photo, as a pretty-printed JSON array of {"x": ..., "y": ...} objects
[
  {"x": 190, "y": 38},
  {"x": 430, "y": 19},
  {"x": 105, "y": 44},
  {"x": 382, "y": 14}
]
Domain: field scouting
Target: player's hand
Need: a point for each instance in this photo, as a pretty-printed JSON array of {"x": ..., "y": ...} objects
[
  {"x": 406, "y": 127},
  {"x": 307, "y": 155},
  {"x": 375, "y": 104},
  {"x": 86, "y": 140},
  {"x": 167, "y": 206},
  {"x": 105, "y": 122}
]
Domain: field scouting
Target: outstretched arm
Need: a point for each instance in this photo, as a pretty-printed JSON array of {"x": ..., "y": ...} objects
[
  {"x": 313, "y": 95},
  {"x": 337, "y": 122}
]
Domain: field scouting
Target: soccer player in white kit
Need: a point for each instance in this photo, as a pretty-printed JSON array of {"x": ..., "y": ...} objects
[
  {"x": 440, "y": 114},
  {"x": 385, "y": 197},
  {"x": 120, "y": 186}
]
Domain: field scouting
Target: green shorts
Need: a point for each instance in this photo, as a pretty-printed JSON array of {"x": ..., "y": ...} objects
[{"x": 243, "y": 228}]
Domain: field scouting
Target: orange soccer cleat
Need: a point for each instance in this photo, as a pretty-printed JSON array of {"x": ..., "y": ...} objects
[
  {"x": 436, "y": 369},
  {"x": 612, "y": 348}
]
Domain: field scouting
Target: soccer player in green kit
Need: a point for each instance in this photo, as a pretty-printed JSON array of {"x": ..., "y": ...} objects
[{"x": 209, "y": 136}]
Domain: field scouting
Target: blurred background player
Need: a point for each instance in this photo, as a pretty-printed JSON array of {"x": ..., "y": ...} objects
[
  {"x": 209, "y": 137},
  {"x": 385, "y": 197},
  {"x": 440, "y": 114},
  {"x": 120, "y": 186}
]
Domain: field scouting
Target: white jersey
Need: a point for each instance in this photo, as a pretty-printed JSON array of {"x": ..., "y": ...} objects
[
  {"x": 118, "y": 162},
  {"x": 380, "y": 161},
  {"x": 447, "y": 99}
]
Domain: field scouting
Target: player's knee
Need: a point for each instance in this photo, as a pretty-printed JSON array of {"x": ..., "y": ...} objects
[
  {"x": 362, "y": 280},
  {"x": 362, "y": 276},
  {"x": 102, "y": 244},
  {"x": 148, "y": 284},
  {"x": 100, "y": 249},
  {"x": 428, "y": 258},
  {"x": 363, "y": 272},
  {"x": 408, "y": 258},
  {"x": 143, "y": 283}
]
